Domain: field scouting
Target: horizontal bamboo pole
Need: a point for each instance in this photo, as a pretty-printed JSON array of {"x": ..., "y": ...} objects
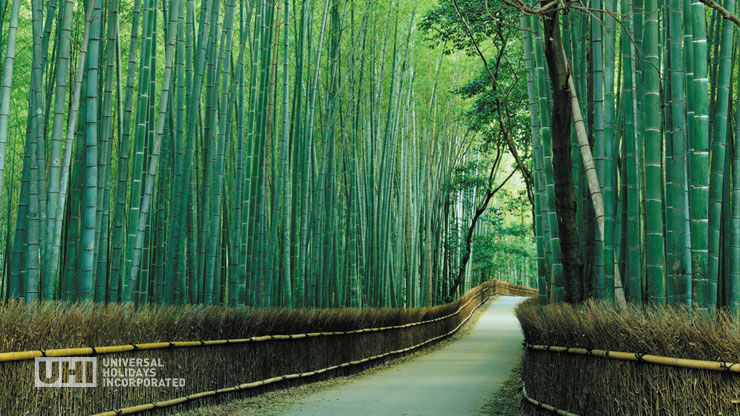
[
  {"x": 545, "y": 406},
  {"x": 66, "y": 352},
  {"x": 648, "y": 358},
  {"x": 260, "y": 383}
]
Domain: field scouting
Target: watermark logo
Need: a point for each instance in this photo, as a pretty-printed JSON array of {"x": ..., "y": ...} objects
[
  {"x": 136, "y": 372},
  {"x": 66, "y": 371},
  {"x": 114, "y": 372}
]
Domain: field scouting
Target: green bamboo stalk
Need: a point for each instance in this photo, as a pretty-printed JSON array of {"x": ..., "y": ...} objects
[
  {"x": 174, "y": 280},
  {"x": 557, "y": 279},
  {"x": 106, "y": 149},
  {"x": 139, "y": 145},
  {"x": 86, "y": 282},
  {"x": 718, "y": 152},
  {"x": 677, "y": 220},
  {"x": 597, "y": 122},
  {"x": 633, "y": 273},
  {"x": 286, "y": 293},
  {"x": 540, "y": 219},
  {"x": 119, "y": 213},
  {"x": 35, "y": 138},
  {"x": 154, "y": 157},
  {"x": 733, "y": 299},
  {"x": 655, "y": 248},
  {"x": 7, "y": 83},
  {"x": 74, "y": 126},
  {"x": 13, "y": 289},
  {"x": 237, "y": 279},
  {"x": 702, "y": 289},
  {"x": 608, "y": 179},
  {"x": 217, "y": 187}
]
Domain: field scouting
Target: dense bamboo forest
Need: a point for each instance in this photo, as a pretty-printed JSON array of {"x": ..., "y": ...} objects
[
  {"x": 633, "y": 115},
  {"x": 340, "y": 183},
  {"x": 635, "y": 158},
  {"x": 312, "y": 153},
  {"x": 325, "y": 153}
]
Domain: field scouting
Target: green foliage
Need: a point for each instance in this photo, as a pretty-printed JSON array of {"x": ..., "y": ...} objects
[
  {"x": 494, "y": 25},
  {"x": 498, "y": 118},
  {"x": 506, "y": 249},
  {"x": 268, "y": 153},
  {"x": 486, "y": 18}
]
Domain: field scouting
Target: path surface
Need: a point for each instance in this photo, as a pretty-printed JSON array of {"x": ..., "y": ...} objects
[{"x": 456, "y": 380}]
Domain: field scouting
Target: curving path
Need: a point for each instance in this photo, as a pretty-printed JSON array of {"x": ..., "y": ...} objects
[{"x": 455, "y": 380}]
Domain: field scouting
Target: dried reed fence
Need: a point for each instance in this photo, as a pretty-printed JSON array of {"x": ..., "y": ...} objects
[
  {"x": 207, "y": 366},
  {"x": 588, "y": 381}
]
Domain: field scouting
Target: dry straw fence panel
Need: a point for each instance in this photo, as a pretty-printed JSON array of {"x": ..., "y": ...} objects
[
  {"x": 211, "y": 348},
  {"x": 598, "y": 377}
]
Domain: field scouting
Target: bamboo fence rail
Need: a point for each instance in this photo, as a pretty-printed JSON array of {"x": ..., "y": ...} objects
[
  {"x": 545, "y": 405},
  {"x": 648, "y": 358},
  {"x": 626, "y": 356}
]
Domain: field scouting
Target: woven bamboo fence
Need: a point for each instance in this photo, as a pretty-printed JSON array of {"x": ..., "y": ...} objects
[
  {"x": 219, "y": 353},
  {"x": 594, "y": 360}
]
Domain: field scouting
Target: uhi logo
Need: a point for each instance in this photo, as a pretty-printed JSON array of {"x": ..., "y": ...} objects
[{"x": 66, "y": 371}]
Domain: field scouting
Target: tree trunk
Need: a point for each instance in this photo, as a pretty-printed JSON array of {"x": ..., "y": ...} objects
[{"x": 565, "y": 199}]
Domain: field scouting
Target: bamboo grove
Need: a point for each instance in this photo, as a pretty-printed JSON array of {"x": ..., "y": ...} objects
[
  {"x": 656, "y": 82},
  {"x": 259, "y": 153}
]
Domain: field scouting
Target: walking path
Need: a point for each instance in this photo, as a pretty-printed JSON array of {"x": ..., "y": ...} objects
[{"x": 456, "y": 380}]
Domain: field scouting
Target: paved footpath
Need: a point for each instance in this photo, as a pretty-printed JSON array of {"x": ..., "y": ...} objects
[{"x": 455, "y": 380}]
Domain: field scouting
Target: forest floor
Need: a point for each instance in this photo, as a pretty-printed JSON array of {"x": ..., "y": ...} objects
[{"x": 472, "y": 373}]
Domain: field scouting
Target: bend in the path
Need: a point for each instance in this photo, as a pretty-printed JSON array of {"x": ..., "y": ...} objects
[{"x": 455, "y": 380}]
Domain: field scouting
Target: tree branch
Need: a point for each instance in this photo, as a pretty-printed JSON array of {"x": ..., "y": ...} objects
[
  {"x": 722, "y": 11},
  {"x": 510, "y": 143}
]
